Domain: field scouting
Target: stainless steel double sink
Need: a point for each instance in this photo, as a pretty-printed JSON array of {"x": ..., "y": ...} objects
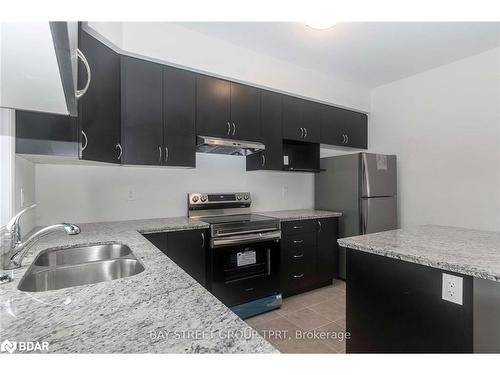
[{"x": 66, "y": 267}]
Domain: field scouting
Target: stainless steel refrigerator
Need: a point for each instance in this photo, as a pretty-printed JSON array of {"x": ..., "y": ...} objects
[{"x": 363, "y": 187}]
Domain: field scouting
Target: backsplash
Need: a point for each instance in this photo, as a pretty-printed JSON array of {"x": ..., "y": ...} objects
[{"x": 83, "y": 193}]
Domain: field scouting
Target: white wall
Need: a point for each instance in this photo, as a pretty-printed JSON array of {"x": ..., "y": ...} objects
[
  {"x": 444, "y": 126},
  {"x": 172, "y": 43},
  {"x": 100, "y": 193}
]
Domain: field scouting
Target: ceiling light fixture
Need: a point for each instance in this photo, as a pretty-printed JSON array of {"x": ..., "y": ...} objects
[{"x": 320, "y": 24}]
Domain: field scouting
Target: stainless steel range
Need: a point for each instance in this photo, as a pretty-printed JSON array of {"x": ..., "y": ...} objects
[{"x": 243, "y": 259}]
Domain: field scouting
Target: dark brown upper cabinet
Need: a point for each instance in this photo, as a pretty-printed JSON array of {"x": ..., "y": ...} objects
[
  {"x": 158, "y": 111},
  {"x": 99, "y": 109},
  {"x": 179, "y": 114},
  {"x": 301, "y": 120},
  {"x": 271, "y": 134},
  {"x": 227, "y": 109},
  {"x": 142, "y": 112},
  {"x": 342, "y": 127}
]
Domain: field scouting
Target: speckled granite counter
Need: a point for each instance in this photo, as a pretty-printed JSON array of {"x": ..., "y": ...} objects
[
  {"x": 465, "y": 251},
  {"x": 161, "y": 310},
  {"x": 289, "y": 215}
]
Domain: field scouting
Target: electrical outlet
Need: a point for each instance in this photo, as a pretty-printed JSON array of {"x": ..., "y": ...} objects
[
  {"x": 452, "y": 290},
  {"x": 131, "y": 194}
]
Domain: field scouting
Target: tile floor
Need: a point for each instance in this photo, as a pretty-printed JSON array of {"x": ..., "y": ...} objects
[{"x": 312, "y": 322}]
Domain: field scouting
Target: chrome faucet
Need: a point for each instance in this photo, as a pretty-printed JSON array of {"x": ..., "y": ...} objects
[{"x": 15, "y": 250}]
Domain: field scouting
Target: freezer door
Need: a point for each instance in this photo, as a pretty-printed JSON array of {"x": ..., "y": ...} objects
[
  {"x": 378, "y": 214},
  {"x": 378, "y": 175}
]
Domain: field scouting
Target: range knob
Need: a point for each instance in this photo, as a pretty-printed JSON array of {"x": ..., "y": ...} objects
[
  {"x": 195, "y": 198},
  {"x": 246, "y": 196},
  {"x": 238, "y": 197},
  {"x": 203, "y": 198}
]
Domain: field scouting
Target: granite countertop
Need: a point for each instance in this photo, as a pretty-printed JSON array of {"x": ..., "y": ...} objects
[
  {"x": 466, "y": 251},
  {"x": 161, "y": 310},
  {"x": 289, "y": 215}
]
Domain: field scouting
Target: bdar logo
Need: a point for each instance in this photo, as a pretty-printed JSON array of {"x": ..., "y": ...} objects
[{"x": 8, "y": 346}]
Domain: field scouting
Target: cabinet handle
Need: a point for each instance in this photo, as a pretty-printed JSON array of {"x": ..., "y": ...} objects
[
  {"x": 159, "y": 149},
  {"x": 86, "y": 141},
  {"x": 298, "y": 276},
  {"x": 234, "y": 128},
  {"x": 81, "y": 56},
  {"x": 319, "y": 226},
  {"x": 119, "y": 147},
  {"x": 298, "y": 241},
  {"x": 347, "y": 138},
  {"x": 249, "y": 289},
  {"x": 299, "y": 256},
  {"x": 202, "y": 239},
  {"x": 263, "y": 159},
  {"x": 305, "y": 130},
  {"x": 166, "y": 154},
  {"x": 228, "y": 128},
  {"x": 301, "y": 132},
  {"x": 297, "y": 227},
  {"x": 343, "y": 138}
]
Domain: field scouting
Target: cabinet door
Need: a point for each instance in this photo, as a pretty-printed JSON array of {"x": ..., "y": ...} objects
[
  {"x": 292, "y": 118},
  {"x": 271, "y": 115},
  {"x": 179, "y": 113},
  {"x": 188, "y": 250},
  {"x": 142, "y": 112},
  {"x": 213, "y": 107},
  {"x": 341, "y": 127},
  {"x": 99, "y": 108},
  {"x": 327, "y": 250},
  {"x": 245, "y": 112},
  {"x": 311, "y": 121}
]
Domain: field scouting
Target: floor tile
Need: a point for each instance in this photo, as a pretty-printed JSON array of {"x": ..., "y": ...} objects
[
  {"x": 311, "y": 298},
  {"x": 262, "y": 318},
  {"x": 339, "y": 284},
  {"x": 331, "y": 335},
  {"x": 333, "y": 292},
  {"x": 330, "y": 309},
  {"x": 290, "y": 305},
  {"x": 307, "y": 319},
  {"x": 340, "y": 322}
]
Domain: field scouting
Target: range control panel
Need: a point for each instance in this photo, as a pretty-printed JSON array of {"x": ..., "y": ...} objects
[{"x": 218, "y": 198}]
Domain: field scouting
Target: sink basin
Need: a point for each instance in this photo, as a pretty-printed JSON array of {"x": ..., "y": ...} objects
[
  {"x": 79, "y": 255},
  {"x": 64, "y": 268}
]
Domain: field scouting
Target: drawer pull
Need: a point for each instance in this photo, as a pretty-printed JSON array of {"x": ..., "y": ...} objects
[
  {"x": 299, "y": 256},
  {"x": 298, "y": 241},
  {"x": 298, "y": 276},
  {"x": 297, "y": 227},
  {"x": 249, "y": 289}
]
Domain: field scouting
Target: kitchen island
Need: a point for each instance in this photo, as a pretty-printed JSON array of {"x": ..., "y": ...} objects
[{"x": 400, "y": 299}]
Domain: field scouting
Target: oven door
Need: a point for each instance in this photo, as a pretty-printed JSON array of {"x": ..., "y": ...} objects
[{"x": 242, "y": 272}]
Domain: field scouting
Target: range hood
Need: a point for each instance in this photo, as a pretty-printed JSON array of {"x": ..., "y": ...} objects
[{"x": 213, "y": 145}]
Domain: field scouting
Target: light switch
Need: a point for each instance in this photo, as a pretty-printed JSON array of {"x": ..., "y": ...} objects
[{"x": 452, "y": 289}]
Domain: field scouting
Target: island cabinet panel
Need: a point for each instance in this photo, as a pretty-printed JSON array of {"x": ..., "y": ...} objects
[
  {"x": 142, "y": 112},
  {"x": 308, "y": 254},
  {"x": 271, "y": 134},
  {"x": 99, "y": 109},
  {"x": 341, "y": 127},
  {"x": 187, "y": 248},
  {"x": 395, "y": 306}
]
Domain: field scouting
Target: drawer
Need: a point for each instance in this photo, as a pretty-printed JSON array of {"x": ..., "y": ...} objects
[
  {"x": 234, "y": 293},
  {"x": 300, "y": 241},
  {"x": 298, "y": 275},
  {"x": 298, "y": 226}
]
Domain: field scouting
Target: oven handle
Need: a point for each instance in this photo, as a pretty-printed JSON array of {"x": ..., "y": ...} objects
[{"x": 246, "y": 238}]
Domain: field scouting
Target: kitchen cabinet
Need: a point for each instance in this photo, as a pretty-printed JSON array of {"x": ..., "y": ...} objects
[
  {"x": 227, "y": 109},
  {"x": 308, "y": 254},
  {"x": 341, "y": 127},
  {"x": 179, "y": 114},
  {"x": 142, "y": 112},
  {"x": 271, "y": 134},
  {"x": 187, "y": 248},
  {"x": 99, "y": 109},
  {"x": 301, "y": 119}
]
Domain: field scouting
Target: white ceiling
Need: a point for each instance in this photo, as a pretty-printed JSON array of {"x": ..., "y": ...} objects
[{"x": 370, "y": 54}]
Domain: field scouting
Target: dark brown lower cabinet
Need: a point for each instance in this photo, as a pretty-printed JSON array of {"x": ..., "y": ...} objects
[
  {"x": 309, "y": 254},
  {"x": 187, "y": 248}
]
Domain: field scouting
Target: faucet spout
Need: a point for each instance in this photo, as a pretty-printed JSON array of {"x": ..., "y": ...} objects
[{"x": 17, "y": 250}]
